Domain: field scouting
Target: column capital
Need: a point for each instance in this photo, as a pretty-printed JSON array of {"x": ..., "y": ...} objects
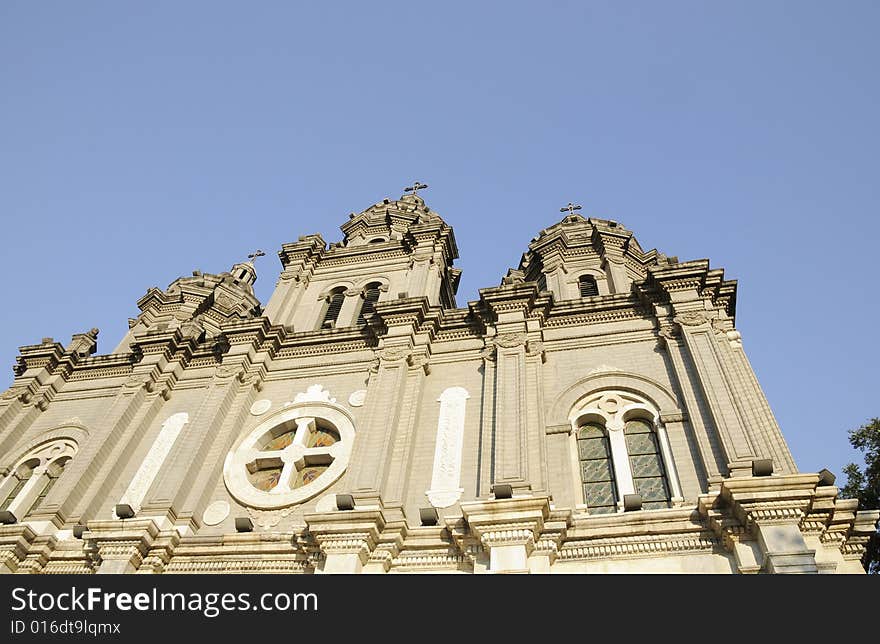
[
  {"x": 347, "y": 532},
  {"x": 119, "y": 546}
]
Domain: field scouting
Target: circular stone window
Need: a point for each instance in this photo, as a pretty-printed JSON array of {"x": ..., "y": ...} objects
[{"x": 290, "y": 457}]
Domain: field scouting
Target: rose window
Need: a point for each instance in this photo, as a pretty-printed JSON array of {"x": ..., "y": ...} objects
[{"x": 291, "y": 456}]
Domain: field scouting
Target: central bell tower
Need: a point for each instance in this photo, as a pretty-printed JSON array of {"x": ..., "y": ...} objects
[{"x": 391, "y": 250}]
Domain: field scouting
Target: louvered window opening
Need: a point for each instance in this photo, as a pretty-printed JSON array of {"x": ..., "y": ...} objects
[
  {"x": 333, "y": 308},
  {"x": 371, "y": 296},
  {"x": 588, "y": 286}
]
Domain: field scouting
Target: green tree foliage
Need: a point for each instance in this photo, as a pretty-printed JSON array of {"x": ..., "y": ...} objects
[{"x": 864, "y": 485}]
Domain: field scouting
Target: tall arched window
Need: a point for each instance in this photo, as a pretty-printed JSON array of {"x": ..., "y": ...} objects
[
  {"x": 621, "y": 448},
  {"x": 587, "y": 286},
  {"x": 32, "y": 478},
  {"x": 371, "y": 296},
  {"x": 17, "y": 481},
  {"x": 649, "y": 475},
  {"x": 334, "y": 305},
  {"x": 597, "y": 471}
]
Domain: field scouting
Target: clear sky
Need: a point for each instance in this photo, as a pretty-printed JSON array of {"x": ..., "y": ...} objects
[{"x": 140, "y": 141}]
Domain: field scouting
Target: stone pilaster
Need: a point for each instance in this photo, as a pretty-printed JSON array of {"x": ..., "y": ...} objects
[
  {"x": 757, "y": 415},
  {"x": 299, "y": 260},
  {"x": 711, "y": 455},
  {"x": 383, "y": 448},
  {"x": 508, "y": 529},
  {"x": 699, "y": 338},
  {"x": 514, "y": 343},
  {"x": 119, "y": 546}
]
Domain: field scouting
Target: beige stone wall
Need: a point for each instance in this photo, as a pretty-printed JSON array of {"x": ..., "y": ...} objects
[{"x": 157, "y": 422}]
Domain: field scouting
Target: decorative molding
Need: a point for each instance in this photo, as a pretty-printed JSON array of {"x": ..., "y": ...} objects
[
  {"x": 691, "y": 318},
  {"x": 636, "y": 546},
  {"x": 558, "y": 429},
  {"x": 268, "y": 518},
  {"x": 314, "y": 393},
  {"x": 393, "y": 354},
  {"x": 260, "y": 407},
  {"x": 509, "y": 340},
  {"x": 216, "y": 513},
  {"x": 225, "y": 372},
  {"x": 357, "y": 398}
]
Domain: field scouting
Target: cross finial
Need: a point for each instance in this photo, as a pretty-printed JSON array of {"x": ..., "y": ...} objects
[
  {"x": 570, "y": 208},
  {"x": 255, "y": 254},
  {"x": 415, "y": 187}
]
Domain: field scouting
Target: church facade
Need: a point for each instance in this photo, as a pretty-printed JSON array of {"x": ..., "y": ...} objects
[{"x": 594, "y": 413}]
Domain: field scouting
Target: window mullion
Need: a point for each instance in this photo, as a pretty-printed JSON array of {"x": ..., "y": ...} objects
[{"x": 620, "y": 458}]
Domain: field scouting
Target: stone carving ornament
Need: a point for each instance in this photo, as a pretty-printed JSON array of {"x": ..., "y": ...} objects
[
  {"x": 146, "y": 474},
  {"x": 260, "y": 407},
  {"x": 446, "y": 480},
  {"x": 510, "y": 340},
  {"x": 357, "y": 398},
  {"x": 393, "y": 354},
  {"x": 691, "y": 318}
]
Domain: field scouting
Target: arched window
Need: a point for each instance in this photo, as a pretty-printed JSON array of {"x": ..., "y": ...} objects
[
  {"x": 597, "y": 470},
  {"x": 371, "y": 296},
  {"x": 17, "y": 481},
  {"x": 32, "y": 478},
  {"x": 587, "y": 286},
  {"x": 378, "y": 240},
  {"x": 649, "y": 475},
  {"x": 334, "y": 305},
  {"x": 53, "y": 472},
  {"x": 622, "y": 448}
]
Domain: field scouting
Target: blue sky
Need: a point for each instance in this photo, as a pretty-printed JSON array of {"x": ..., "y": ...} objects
[{"x": 141, "y": 141}]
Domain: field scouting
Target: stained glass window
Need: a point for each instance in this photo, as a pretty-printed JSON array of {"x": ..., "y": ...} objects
[
  {"x": 8, "y": 500},
  {"x": 309, "y": 474},
  {"x": 649, "y": 475},
  {"x": 322, "y": 437},
  {"x": 265, "y": 479},
  {"x": 280, "y": 442},
  {"x": 597, "y": 471}
]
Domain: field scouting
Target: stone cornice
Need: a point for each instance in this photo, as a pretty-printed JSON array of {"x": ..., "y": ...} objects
[
  {"x": 123, "y": 539},
  {"x": 515, "y": 520},
  {"x": 307, "y": 247},
  {"x": 353, "y": 531},
  {"x": 693, "y": 280}
]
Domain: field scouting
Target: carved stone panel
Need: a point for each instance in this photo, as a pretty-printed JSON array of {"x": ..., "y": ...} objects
[
  {"x": 446, "y": 480},
  {"x": 148, "y": 470}
]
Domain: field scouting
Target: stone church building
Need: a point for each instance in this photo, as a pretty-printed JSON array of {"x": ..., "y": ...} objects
[{"x": 593, "y": 413}]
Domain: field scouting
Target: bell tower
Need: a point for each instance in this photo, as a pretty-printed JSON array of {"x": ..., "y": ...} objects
[{"x": 394, "y": 249}]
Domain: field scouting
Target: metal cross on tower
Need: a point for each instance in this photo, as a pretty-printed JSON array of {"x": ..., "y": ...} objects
[
  {"x": 415, "y": 187},
  {"x": 255, "y": 254},
  {"x": 570, "y": 208}
]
